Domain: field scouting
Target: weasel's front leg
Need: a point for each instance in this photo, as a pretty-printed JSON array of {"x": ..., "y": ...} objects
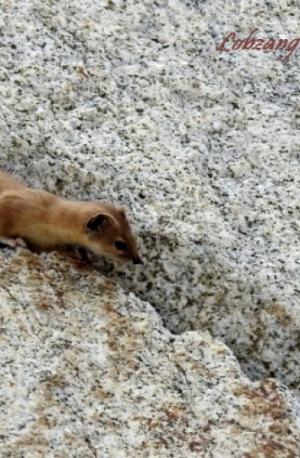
[{"x": 12, "y": 243}]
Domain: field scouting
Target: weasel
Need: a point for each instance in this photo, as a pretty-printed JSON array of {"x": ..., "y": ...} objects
[{"x": 45, "y": 221}]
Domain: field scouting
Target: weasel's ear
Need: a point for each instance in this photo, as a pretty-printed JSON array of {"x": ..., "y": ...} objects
[{"x": 99, "y": 222}]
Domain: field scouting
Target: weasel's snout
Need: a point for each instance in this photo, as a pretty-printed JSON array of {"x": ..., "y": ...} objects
[{"x": 137, "y": 260}]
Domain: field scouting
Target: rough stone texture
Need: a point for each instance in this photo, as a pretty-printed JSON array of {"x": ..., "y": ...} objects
[
  {"x": 130, "y": 102},
  {"x": 89, "y": 371}
]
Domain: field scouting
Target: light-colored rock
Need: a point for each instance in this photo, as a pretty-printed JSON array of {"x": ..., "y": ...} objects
[
  {"x": 89, "y": 371},
  {"x": 131, "y": 103}
]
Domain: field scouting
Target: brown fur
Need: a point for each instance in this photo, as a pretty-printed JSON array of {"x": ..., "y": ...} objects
[{"x": 45, "y": 221}]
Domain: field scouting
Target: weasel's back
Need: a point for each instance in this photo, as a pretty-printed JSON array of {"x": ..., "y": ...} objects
[{"x": 8, "y": 182}]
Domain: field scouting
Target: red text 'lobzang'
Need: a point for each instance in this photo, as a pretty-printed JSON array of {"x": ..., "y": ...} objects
[{"x": 232, "y": 43}]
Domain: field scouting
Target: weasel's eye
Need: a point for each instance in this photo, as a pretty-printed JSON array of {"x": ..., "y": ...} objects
[{"x": 121, "y": 245}]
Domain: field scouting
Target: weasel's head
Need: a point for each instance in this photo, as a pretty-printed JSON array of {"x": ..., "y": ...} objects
[{"x": 108, "y": 233}]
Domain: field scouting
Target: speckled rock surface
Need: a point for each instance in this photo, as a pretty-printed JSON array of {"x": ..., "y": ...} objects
[
  {"x": 89, "y": 371},
  {"x": 130, "y": 102}
]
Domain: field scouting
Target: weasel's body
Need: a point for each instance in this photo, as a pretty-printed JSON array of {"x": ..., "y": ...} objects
[{"x": 45, "y": 221}]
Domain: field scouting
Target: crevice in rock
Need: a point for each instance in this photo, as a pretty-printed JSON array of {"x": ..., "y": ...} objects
[{"x": 241, "y": 314}]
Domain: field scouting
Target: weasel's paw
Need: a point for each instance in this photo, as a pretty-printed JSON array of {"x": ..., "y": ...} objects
[{"x": 13, "y": 243}]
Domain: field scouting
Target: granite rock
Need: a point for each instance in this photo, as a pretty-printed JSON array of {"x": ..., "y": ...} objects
[
  {"x": 90, "y": 371},
  {"x": 130, "y": 102}
]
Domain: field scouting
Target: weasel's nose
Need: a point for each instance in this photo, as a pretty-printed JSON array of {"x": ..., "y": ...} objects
[{"x": 137, "y": 260}]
